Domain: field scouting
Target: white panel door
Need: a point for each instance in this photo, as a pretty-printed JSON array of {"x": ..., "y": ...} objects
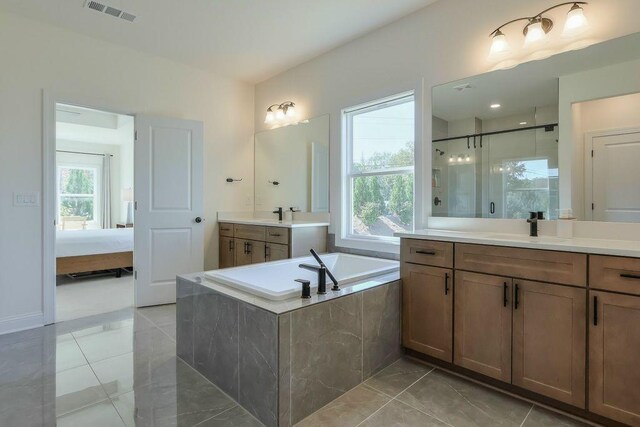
[
  {"x": 616, "y": 178},
  {"x": 169, "y": 232}
]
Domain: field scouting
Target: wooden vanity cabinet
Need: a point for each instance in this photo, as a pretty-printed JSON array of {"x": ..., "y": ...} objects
[
  {"x": 614, "y": 339},
  {"x": 549, "y": 340},
  {"x": 244, "y": 244},
  {"x": 427, "y": 295},
  {"x": 427, "y": 316},
  {"x": 227, "y": 252},
  {"x": 482, "y": 331}
]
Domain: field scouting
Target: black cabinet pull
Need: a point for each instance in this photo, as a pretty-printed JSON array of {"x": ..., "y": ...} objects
[
  {"x": 230, "y": 245},
  {"x": 505, "y": 288},
  {"x": 516, "y": 299},
  {"x": 275, "y": 234},
  {"x": 267, "y": 252},
  {"x": 630, "y": 276},
  {"x": 249, "y": 248},
  {"x": 426, "y": 252},
  {"x": 595, "y": 311},
  {"x": 492, "y": 208},
  {"x": 446, "y": 283},
  {"x": 245, "y": 248}
]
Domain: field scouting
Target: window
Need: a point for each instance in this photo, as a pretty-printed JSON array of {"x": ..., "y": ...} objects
[
  {"x": 77, "y": 196},
  {"x": 380, "y": 140},
  {"x": 530, "y": 185}
]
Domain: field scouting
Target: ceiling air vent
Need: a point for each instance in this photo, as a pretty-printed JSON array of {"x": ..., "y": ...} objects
[
  {"x": 113, "y": 11},
  {"x": 109, "y": 10},
  {"x": 96, "y": 6}
]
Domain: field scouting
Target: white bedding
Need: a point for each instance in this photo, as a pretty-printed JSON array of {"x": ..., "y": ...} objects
[{"x": 93, "y": 242}]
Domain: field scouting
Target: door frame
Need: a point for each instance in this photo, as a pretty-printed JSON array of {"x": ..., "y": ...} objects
[
  {"x": 49, "y": 101},
  {"x": 588, "y": 162}
]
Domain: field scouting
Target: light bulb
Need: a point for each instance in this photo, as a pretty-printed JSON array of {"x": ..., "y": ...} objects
[
  {"x": 576, "y": 21},
  {"x": 291, "y": 111},
  {"x": 468, "y": 159},
  {"x": 499, "y": 43},
  {"x": 279, "y": 114},
  {"x": 450, "y": 159},
  {"x": 459, "y": 158},
  {"x": 269, "y": 117},
  {"x": 535, "y": 32}
]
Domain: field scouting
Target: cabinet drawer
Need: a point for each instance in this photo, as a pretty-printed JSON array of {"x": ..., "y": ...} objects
[
  {"x": 615, "y": 274},
  {"x": 427, "y": 252},
  {"x": 546, "y": 266},
  {"x": 250, "y": 232},
  {"x": 226, "y": 229},
  {"x": 278, "y": 235}
]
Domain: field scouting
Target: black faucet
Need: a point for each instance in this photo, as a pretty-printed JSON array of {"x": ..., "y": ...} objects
[
  {"x": 534, "y": 217},
  {"x": 279, "y": 212},
  {"x": 323, "y": 272}
]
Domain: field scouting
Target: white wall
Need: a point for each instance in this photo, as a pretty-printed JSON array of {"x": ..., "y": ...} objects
[
  {"x": 37, "y": 56},
  {"x": 614, "y": 80},
  {"x": 443, "y": 42}
]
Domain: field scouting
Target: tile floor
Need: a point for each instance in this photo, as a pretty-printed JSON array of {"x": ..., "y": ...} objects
[
  {"x": 121, "y": 368},
  {"x": 90, "y": 296}
]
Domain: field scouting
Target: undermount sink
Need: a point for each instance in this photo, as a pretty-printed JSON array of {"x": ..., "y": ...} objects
[{"x": 523, "y": 238}]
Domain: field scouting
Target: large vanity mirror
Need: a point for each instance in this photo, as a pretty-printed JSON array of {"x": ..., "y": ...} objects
[
  {"x": 513, "y": 141},
  {"x": 292, "y": 167}
]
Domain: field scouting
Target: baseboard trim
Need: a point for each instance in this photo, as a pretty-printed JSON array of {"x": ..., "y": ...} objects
[{"x": 21, "y": 322}]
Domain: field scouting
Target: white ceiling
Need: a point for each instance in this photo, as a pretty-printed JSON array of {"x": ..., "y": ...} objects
[
  {"x": 90, "y": 126},
  {"x": 250, "y": 40}
]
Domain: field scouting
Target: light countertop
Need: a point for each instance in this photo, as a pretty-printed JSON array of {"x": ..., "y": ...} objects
[
  {"x": 630, "y": 248},
  {"x": 274, "y": 222}
]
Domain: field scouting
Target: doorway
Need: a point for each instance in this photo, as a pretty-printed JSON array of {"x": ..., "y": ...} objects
[{"x": 94, "y": 238}]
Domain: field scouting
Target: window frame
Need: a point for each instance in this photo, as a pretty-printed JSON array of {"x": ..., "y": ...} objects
[
  {"x": 97, "y": 187},
  {"x": 346, "y": 237}
]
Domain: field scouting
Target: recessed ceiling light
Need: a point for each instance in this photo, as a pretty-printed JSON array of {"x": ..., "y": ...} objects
[
  {"x": 495, "y": 106},
  {"x": 523, "y": 123}
]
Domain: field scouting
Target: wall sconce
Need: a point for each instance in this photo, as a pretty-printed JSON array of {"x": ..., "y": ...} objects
[
  {"x": 285, "y": 110},
  {"x": 538, "y": 26}
]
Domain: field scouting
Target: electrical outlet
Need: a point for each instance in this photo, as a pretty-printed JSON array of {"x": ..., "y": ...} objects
[{"x": 26, "y": 199}]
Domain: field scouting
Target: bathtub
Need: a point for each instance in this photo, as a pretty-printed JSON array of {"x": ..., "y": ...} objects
[{"x": 276, "y": 280}]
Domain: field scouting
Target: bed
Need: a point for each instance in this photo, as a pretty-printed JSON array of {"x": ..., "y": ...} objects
[{"x": 81, "y": 251}]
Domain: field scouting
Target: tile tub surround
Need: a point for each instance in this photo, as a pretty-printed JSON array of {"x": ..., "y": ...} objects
[{"x": 282, "y": 367}]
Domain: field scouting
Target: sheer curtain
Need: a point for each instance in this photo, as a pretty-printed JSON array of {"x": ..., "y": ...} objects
[{"x": 106, "y": 192}]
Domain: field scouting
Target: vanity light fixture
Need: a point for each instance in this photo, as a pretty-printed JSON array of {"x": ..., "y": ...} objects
[
  {"x": 285, "y": 110},
  {"x": 538, "y": 26}
]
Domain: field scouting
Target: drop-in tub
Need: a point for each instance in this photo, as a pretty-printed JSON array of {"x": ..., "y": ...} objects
[{"x": 276, "y": 280}]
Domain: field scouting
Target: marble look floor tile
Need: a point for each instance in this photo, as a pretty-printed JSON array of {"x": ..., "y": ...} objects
[
  {"x": 68, "y": 354},
  {"x": 102, "y": 414},
  {"x": 234, "y": 417},
  {"x": 461, "y": 402},
  {"x": 108, "y": 343},
  {"x": 190, "y": 400},
  {"x": 160, "y": 314},
  {"x": 76, "y": 388},
  {"x": 169, "y": 329},
  {"x": 541, "y": 417},
  {"x": 22, "y": 363},
  {"x": 115, "y": 374},
  {"x": 397, "y": 414},
  {"x": 350, "y": 409},
  {"x": 398, "y": 376}
]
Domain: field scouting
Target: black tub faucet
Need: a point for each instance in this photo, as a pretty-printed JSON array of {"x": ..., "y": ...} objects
[
  {"x": 279, "y": 212},
  {"x": 534, "y": 217},
  {"x": 323, "y": 272}
]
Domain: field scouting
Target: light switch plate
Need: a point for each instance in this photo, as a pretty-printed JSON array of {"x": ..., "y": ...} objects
[{"x": 26, "y": 199}]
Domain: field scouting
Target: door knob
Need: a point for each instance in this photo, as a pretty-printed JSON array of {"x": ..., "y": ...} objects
[{"x": 198, "y": 220}]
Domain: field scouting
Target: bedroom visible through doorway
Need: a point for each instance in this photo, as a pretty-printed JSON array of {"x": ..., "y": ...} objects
[{"x": 94, "y": 211}]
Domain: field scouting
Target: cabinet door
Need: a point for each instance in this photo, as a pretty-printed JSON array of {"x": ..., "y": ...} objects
[
  {"x": 427, "y": 310},
  {"x": 482, "y": 328},
  {"x": 227, "y": 252},
  {"x": 249, "y": 252},
  {"x": 277, "y": 252},
  {"x": 257, "y": 250},
  {"x": 549, "y": 340},
  {"x": 614, "y": 352}
]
